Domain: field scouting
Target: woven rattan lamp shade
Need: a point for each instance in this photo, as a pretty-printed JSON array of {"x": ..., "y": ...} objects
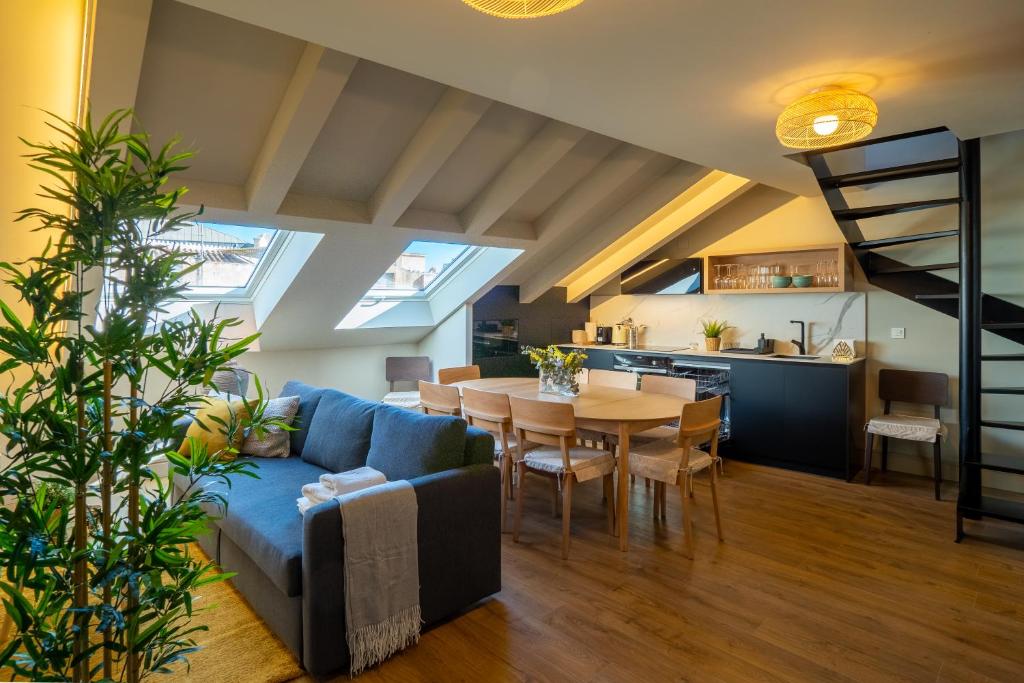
[
  {"x": 522, "y": 9},
  {"x": 826, "y": 118}
]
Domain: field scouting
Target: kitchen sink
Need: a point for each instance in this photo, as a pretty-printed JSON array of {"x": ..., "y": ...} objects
[{"x": 795, "y": 357}]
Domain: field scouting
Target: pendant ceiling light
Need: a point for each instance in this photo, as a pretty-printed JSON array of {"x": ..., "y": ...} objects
[
  {"x": 522, "y": 9},
  {"x": 827, "y": 117}
]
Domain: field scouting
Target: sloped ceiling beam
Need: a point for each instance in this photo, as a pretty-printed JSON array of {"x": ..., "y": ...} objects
[
  {"x": 543, "y": 151},
  {"x": 451, "y": 120},
  {"x": 314, "y": 89},
  {"x": 647, "y": 203},
  {"x": 693, "y": 205}
]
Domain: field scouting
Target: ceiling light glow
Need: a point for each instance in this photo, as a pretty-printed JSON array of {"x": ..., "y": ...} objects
[
  {"x": 827, "y": 117},
  {"x": 522, "y": 9}
]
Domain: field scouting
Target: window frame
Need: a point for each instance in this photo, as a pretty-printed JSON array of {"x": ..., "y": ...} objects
[{"x": 469, "y": 253}]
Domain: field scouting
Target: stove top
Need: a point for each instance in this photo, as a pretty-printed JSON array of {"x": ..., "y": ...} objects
[{"x": 651, "y": 347}]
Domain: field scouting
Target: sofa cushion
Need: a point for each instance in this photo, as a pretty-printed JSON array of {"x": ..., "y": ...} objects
[
  {"x": 339, "y": 434},
  {"x": 309, "y": 397},
  {"x": 406, "y": 445},
  {"x": 261, "y": 518}
]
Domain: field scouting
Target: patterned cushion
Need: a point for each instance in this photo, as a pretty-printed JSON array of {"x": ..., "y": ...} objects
[
  {"x": 586, "y": 463},
  {"x": 657, "y": 433},
  {"x": 402, "y": 399},
  {"x": 275, "y": 442},
  {"x": 907, "y": 427},
  {"x": 513, "y": 445},
  {"x": 662, "y": 461}
]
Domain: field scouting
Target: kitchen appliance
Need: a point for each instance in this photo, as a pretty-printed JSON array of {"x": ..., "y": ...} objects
[
  {"x": 642, "y": 364},
  {"x": 619, "y": 335},
  {"x": 664, "y": 276},
  {"x": 764, "y": 346},
  {"x": 604, "y": 335}
]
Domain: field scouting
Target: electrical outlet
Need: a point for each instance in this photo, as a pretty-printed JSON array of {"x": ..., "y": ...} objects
[{"x": 898, "y": 333}]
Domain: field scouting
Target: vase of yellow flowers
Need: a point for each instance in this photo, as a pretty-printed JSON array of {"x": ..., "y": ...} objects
[{"x": 559, "y": 371}]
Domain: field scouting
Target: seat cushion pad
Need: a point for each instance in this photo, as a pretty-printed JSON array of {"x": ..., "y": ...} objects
[
  {"x": 586, "y": 463},
  {"x": 663, "y": 461},
  {"x": 909, "y": 427}
]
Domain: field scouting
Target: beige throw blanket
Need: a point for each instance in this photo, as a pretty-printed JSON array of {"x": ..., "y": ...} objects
[{"x": 382, "y": 580}]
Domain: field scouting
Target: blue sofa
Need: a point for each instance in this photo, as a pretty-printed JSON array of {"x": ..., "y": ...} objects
[{"x": 289, "y": 566}]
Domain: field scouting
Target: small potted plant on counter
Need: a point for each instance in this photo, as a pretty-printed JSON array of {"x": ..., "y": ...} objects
[
  {"x": 559, "y": 372},
  {"x": 713, "y": 330}
]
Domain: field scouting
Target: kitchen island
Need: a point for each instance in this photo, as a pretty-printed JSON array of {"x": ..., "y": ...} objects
[{"x": 806, "y": 415}]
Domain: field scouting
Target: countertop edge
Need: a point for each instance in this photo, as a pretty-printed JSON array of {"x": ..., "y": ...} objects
[{"x": 824, "y": 360}]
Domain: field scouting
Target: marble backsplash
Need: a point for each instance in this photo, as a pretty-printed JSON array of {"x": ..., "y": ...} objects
[{"x": 675, "y": 320}]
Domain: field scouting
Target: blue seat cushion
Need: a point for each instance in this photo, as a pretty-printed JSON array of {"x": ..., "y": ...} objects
[
  {"x": 339, "y": 434},
  {"x": 309, "y": 397},
  {"x": 263, "y": 520},
  {"x": 406, "y": 445}
]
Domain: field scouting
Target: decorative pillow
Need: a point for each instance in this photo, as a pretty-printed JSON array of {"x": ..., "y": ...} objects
[
  {"x": 406, "y": 445},
  {"x": 274, "y": 443},
  {"x": 215, "y": 434}
]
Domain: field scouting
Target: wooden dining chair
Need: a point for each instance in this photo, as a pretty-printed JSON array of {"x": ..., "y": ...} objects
[
  {"x": 438, "y": 399},
  {"x": 612, "y": 378},
  {"x": 908, "y": 386},
  {"x": 492, "y": 412},
  {"x": 552, "y": 426},
  {"x": 411, "y": 369},
  {"x": 674, "y": 463},
  {"x": 682, "y": 387},
  {"x": 461, "y": 374}
]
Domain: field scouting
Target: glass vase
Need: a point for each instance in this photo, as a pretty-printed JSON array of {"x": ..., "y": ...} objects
[{"x": 559, "y": 382}]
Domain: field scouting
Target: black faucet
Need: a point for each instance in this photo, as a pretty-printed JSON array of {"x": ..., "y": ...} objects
[{"x": 800, "y": 342}]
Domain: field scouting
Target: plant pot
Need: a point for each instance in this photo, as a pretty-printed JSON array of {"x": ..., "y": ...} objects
[{"x": 713, "y": 343}]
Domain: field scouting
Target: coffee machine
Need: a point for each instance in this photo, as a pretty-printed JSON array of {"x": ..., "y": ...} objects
[{"x": 604, "y": 335}]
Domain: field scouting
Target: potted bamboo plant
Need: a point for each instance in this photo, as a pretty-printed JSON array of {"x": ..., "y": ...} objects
[
  {"x": 99, "y": 581},
  {"x": 713, "y": 330}
]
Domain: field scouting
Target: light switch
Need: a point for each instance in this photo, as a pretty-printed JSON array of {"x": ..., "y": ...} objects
[{"x": 898, "y": 333}]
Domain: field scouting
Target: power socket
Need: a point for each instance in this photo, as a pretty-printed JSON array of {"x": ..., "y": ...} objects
[{"x": 898, "y": 333}]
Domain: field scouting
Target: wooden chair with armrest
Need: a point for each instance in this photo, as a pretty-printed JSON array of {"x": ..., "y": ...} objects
[
  {"x": 908, "y": 386},
  {"x": 675, "y": 463},
  {"x": 460, "y": 374},
  {"x": 438, "y": 399},
  {"x": 553, "y": 427}
]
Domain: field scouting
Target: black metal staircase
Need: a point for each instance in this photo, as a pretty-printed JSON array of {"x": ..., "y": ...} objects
[{"x": 906, "y": 157}]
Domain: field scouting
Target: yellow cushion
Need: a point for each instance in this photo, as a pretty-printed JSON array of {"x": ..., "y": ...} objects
[{"x": 215, "y": 434}]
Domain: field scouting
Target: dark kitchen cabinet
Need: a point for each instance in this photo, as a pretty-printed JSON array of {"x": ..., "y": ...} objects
[{"x": 758, "y": 409}]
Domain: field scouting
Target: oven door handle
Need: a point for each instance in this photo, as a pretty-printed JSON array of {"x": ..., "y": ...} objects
[{"x": 641, "y": 371}]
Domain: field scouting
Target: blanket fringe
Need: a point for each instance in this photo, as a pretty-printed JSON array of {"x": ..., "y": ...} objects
[{"x": 373, "y": 644}]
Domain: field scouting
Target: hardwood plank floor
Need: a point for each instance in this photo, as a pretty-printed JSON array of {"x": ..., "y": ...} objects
[{"x": 818, "y": 580}]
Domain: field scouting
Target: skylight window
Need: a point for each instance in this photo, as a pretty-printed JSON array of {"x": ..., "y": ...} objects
[{"x": 420, "y": 268}]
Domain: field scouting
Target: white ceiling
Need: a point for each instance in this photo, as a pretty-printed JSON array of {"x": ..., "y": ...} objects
[{"x": 701, "y": 80}]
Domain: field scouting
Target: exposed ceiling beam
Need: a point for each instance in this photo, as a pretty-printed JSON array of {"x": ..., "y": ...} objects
[
  {"x": 692, "y": 205},
  {"x": 315, "y": 86},
  {"x": 119, "y": 45},
  {"x": 451, "y": 120},
  {"x": 605, "y": 232},
  {"x": 543, "y": 151}
]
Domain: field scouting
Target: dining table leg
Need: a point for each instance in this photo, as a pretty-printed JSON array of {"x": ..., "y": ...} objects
[{"x": 623, "y": 492}]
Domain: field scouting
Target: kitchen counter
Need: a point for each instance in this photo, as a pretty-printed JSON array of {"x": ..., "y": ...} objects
[{"x": 825, "y": 359}]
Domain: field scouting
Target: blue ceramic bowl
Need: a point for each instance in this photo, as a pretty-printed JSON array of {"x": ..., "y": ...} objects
[
  {"x": 803, "y": 280},
  {"x": 781, "y": 281}
]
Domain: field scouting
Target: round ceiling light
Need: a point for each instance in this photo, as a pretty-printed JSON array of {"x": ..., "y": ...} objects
[
  {"x": 827, "y": 117},
  {"x": 522, "y": 9}
]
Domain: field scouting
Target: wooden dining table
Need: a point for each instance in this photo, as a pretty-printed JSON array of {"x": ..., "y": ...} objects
[{"x": 608, "y": 410}]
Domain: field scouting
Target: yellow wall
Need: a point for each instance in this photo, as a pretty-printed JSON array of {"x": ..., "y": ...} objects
[{"x": 40, "y": 60}]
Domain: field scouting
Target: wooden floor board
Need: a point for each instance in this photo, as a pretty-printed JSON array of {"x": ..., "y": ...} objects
[{"x": 817, "y": 580}]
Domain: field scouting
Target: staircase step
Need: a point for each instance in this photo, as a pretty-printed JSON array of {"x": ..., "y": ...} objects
[
  {"x": 998, "y": 462},
  {"x": 882, "y": 175},
  {"x": 904, "y": 239},
  {"x": 1002, "y": 326},
  {"x": 921, "y": 297},
  {"x": 889, "y": 209},
  {"x": 952, "y": 265},
  {"x": 997, "y": 508},
  {"x": 881, "y": 141},
  {"x": 1003, "y": 357},
  {"x": 1003, "y": 424},
  {"x": 1003, "y": 390}
]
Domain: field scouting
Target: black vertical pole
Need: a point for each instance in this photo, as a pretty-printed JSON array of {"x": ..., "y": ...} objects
[{"x": 970, "y": 322}]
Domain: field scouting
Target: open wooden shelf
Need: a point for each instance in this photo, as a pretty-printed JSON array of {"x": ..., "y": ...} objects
[{"x": 803, "y": 258}]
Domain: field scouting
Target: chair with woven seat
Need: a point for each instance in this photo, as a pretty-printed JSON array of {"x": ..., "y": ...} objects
[
  {"x": 675, "y": 462},
  {"x": 492, "y": 412},
  {"x": 438, "y": 399},
  {"x": 459, "y": 374},
  {"x": 908, "y": 386},
  {"x": 552, "y": 426},
  {"x": 405, "y": 369}
]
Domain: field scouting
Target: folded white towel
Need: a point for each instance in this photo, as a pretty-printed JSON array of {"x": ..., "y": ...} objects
[
  {"x": 317, "y": 493},
  {"x": 304, "y": 504},
  {"x": 353, "y": 480}
]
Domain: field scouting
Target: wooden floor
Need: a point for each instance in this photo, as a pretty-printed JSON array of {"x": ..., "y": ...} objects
[{"x": 818, "y": 580}]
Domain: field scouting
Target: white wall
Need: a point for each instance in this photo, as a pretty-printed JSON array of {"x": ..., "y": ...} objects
[{"x": 448, "y": 345}]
